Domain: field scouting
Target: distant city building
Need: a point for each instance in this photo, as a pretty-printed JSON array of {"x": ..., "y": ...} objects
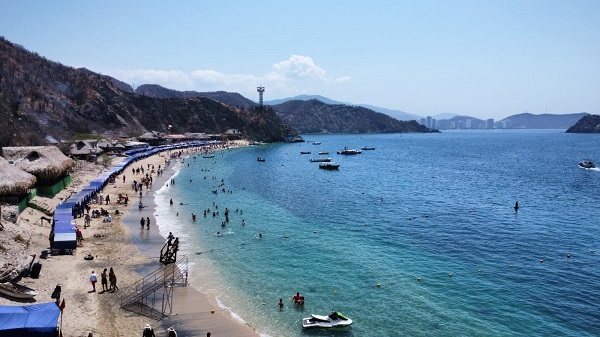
[
  {"x": 423, "y": 121},
  {"x": 442, "y": 124},
  {"x": 469, "y": 123},
  {"x": 428, "y": 124}
]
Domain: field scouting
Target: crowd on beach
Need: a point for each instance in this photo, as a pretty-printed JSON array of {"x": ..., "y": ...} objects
[{"x": 103, "y": 239}]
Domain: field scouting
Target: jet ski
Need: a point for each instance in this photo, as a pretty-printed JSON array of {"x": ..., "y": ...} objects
[
  {"x": 586, "y": 163},
  {"x": 334, "y": 320}
]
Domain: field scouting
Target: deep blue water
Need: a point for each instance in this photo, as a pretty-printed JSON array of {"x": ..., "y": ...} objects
[{"x": 420, "y": 206}]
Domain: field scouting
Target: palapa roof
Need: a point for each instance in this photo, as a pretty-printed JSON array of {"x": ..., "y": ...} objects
[
  {"x": 152, "y": 135},
  {"x": 13, "y": 180},
  {"x": 103, "y": 144},
  {"x": 85, "y": 147},
  {"x": 44, "y": 162}
]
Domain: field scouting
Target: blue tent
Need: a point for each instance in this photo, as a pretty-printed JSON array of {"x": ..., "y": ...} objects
[{"x": 36, "y": 320}]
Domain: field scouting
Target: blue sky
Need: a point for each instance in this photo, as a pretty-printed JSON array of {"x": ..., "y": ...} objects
[{"x": 486, "y": 59}]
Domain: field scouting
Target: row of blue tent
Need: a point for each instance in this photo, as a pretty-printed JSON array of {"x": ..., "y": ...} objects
[{"x": 63, "y": 231}]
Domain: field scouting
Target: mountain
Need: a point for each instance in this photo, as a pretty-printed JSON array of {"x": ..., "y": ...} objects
[
  {"x": 397, "y": 114},
  {"x": 544, "y": 121},
  {"x": 229, "y": 98},
  {"x": 40, "y": 98},
  {"x": 587, "y": 124},
  {"x": 314, "y": 116}
]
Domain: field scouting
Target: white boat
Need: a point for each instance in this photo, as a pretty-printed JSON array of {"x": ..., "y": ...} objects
[
  {"x": 585, "y": 163},
  {"x": 348, "y": 151},
  {"x": 316, "y": 143},
  {"x": 334, "y": 320},
  {"x": 323, "y": 152},
  {"x": 16, "y": 290},
  {"x": 329, "y": 166},
  {"x": 320, "y": 160}
]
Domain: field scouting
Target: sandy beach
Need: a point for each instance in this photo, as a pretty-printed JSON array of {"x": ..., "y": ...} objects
[{"x": 130, "y": 251}]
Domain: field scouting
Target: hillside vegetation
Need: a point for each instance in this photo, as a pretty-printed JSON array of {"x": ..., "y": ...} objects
[{"x": 40, "y": 98}]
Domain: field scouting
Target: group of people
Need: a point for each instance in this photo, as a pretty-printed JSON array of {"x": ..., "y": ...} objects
[
  {"x": 107, "y": 279},
  {"x": 149, "y": 332},
  {"x": 145, "y": 222},
  {"x": 297, "y": 299}
]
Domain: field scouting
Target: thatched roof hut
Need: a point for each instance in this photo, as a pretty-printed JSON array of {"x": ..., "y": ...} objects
[
  {"x": 47, "y": 163},
  {"x": 13, "y": 180},
  {"x": 84, "y": 148}
]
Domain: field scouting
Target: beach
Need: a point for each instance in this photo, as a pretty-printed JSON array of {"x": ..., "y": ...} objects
[{"x": 119, "y": 244}]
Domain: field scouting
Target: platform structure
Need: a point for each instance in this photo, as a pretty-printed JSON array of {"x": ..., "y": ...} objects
[
  {"x": 152, "y": 296},
  {"x": 168, "y": 253}
]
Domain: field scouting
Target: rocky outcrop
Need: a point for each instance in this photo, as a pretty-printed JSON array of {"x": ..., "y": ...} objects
[
  {"x": 587, "y": 124},
  {"x": 314, "y": 116}
]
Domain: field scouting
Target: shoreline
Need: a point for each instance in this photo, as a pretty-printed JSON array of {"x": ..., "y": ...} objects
[
  {"x": 122, "y": 245},
  {"x": 192, "y": 308}
]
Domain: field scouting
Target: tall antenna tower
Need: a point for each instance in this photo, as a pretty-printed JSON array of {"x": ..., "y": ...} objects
[{"x": 260, "y": 90}]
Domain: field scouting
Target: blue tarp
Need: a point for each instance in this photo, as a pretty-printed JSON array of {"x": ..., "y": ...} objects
[
  {"x": 36, "y": 320},
  {"x": 64, "y": 227},
  {"x": 63, "y": 217},
  {"x": 65, "y": 241}
]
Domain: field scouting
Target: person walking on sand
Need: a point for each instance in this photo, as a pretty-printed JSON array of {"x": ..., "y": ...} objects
[
  {"x": 171, "y": 332},
  {"x": 147, "y": 222},
  {"x": 104, "y": 280},
  {"x": 112, "y": 278},
  {"x": 148, "y": 332},
  {"x": 93, "y": 280},
  {"x": 142, "y": 222}
]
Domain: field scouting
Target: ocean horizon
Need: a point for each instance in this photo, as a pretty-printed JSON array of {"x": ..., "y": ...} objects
[{"x": 418, "y": 237}]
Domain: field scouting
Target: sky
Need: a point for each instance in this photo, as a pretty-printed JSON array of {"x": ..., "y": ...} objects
[{"x": 485, "y": 59}]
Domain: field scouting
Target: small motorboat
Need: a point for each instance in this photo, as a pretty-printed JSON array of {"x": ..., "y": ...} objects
[
  {"x": 329, "y": 166},
  {"x": 334, "y": 320},
  {"x": 586, "y": 163},
  {"x": 320, "y": 160},
  {"x": 348, "y": 151},
  {"x": 304, "y": 152},
  {"x": 368, "y": 148},
  {"x": 316, "y": 143},
  {"x": 323, "y": 152},
  {"x": 16, "y": 290},
  {"x": 260, "y": 159}
]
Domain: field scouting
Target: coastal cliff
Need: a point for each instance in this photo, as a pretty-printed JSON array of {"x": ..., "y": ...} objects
[
  {"x": 314, "y": 116},
  {"x": 587, "y": 124},
  {"x": 41, "y": 99}
]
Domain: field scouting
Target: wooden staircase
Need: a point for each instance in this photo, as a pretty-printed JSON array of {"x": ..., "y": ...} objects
[{"x": 41, "y": 206}]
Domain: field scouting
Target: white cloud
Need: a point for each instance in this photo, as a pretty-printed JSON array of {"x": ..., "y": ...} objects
[
  {"x": 298, "y": 66},
  {"x": 294, "y": 76}
]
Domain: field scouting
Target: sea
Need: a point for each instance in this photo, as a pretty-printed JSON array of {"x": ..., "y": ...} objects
[{"x": 418, "y": 237}]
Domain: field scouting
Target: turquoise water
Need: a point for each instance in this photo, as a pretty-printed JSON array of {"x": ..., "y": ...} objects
[{"x": 420, "y": 206}]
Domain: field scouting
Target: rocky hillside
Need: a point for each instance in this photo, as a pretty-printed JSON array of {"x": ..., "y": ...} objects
[
  {"x": 587, "y": 124},
  {"x": 314, "y": 116},
  {"x": 230, "y": 98},
  {"x": 40, "y": 98},
  {"x": 544, "y": 121}
]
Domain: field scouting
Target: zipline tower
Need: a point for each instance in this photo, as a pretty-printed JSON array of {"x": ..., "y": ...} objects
[{"x": 260, "y": 90}]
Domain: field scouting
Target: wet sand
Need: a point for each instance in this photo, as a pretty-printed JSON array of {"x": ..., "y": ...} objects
[{"x": 192, "y": 310}]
